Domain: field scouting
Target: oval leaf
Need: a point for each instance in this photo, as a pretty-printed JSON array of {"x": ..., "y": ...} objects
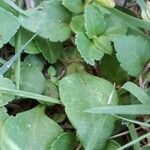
[
  {"x": 31, "y": 79},
  {"x": 132, "y": 52},
  {"x": 88, "y": 91},
  {"x": 29, "y": 130},
  {"x": 50, "y": 20},
  {"x": 5, "y": 98}
]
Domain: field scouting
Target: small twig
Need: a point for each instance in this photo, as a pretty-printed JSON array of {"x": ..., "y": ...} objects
[
  {"x": 79, "y": 147},
  {"x": 145, "y": 146},
  {"x": 123, "y": 133}
]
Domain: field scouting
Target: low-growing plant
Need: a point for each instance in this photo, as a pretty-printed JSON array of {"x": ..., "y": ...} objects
[{"x": 74, "y": 75}]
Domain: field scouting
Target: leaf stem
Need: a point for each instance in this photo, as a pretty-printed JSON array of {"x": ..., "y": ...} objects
[
  {"x": 17, "y": 46},
  {"x": 17, "y": 68}
]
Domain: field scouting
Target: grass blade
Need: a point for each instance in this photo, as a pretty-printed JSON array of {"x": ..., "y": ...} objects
[
  {"x": 25, "y": 94},
  {"x": 8, "y": 64},
  {"x": 18, "y": 63},
  {"x": 14, "y": 6},
  {"x": 143, "y": 7},
  {"x": 133, "y": 121},
  {"x": 123, "y": 109},
  {"x": 137, "y": 92},
  {"x": 132, "y": 21},
  {"x": 134, "y": 136},
  {"x": 134, "y": 141}
]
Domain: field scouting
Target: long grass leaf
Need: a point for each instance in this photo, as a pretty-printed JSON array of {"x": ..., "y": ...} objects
[
  {"x": 137, "y": 92},
  {"x": 14, "y": 6},
  {"x": 134, "y": 136},
  {"x": 25, "y": 94},
  {"x": 129, "y": 19},
  {"x": 134, "y": 141},
  {"x": 124, "y": 109},
  {"x": 133, "y": 121}
]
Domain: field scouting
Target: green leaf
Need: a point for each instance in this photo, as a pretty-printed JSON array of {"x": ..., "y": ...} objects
[
  {"x": 31, "y": 79},
  {"x": 103, "y": 44},
  {"x": 35, "y": 60},
  {"x": 137, "y": 92},
  {"x": 111, "y": 70},
  {"x": 3, "y": 117},
  {"x": 51, "y": 89},
  {"x": 65, "y": 141},
  {"x": 8, "y": 8},
  {"x": 87, "y": 49},
  {"x": 134, "y": 135},
  {"x": 29, "y": 130},
  {"x": 77, "y": 24},
  {"x": 5, "y": 98},
  {"x": 8, "y": 27},
  {"x": 129, "y": 47},
  {"x": 50, "y": 50},
  {"x": 25, "y": 36},
  {"x": 107, "y": 3},
  {"x": 122, "y": 109},
  {"x": 112, "y": 145},
  {"x": 75, "y": 6},
  {"x": 95, "y": 23},
  {"x": 88, "y": 91},
  {"x": 50, "y": 20},
  {"x": 114, "y": 28}
]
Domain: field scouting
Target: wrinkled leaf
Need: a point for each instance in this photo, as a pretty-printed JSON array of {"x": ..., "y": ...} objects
[
  {"x": 87, "y": 49},
  {"x": 50, "y": 20},
  {"x": 103, "y": 44},
  {"x": 95, "y": 23},
  {"x": 132, "y": 52},
  {"x": 50, "y": 50},
  {"x": 88, "y": 91},
  {"x": 77, "y": 24},
  {"x": 75, "y": 6}
]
